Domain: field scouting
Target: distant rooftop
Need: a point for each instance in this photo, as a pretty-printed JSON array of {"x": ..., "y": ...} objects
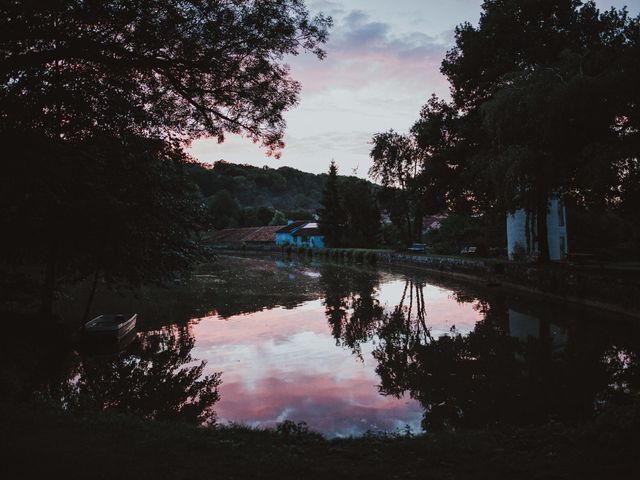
[{"x": 247, "y": 234}]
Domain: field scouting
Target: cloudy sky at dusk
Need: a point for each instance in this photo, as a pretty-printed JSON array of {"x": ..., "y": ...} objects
[{"x": 382, "y": 64}]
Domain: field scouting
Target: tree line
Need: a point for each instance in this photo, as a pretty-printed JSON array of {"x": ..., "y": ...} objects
[{"x": 544, "y": 102}]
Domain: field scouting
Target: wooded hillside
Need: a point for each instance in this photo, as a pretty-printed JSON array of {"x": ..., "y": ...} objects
[{"x": 244, "y": 195}]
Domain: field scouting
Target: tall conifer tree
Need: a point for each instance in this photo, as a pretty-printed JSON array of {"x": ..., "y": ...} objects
[{"x": 332, "y": 218}]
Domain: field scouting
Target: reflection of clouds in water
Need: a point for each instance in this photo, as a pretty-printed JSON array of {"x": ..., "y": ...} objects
[
  {"x": 442, "y": 311},
  {"x": 282, "y": 360},
  {"x": 283, "y": 364},
  {"x": 339, "y": 408}
]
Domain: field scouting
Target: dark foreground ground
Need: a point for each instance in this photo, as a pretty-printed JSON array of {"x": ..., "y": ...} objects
[{"x": 43, "y": 443}]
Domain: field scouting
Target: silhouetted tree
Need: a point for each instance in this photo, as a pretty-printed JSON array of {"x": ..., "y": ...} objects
[
  {"x": 542, "y": 104},
  {"x": 397, "y": 164},
  {"x": 490, "y": 376},
  {"x": 362, "y": 226},
  {"x": 223, "y": 210},
  {"x": 437, "y": 136},
  {"x": 120, "y": 209},
  {"x": 190, "y": 68},
  {"x": 542, "y": 88},
  {"x": 106, "y": 81},
  {"x": 332, "y": 218}
]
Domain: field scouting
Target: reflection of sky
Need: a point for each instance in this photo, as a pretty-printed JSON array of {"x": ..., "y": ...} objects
[
  {"x": 284, "y": 364},
  {"x": 442, "y": 311}
]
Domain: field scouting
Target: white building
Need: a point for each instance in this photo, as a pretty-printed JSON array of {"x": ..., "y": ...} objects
[{"x": 521, "y": 232}]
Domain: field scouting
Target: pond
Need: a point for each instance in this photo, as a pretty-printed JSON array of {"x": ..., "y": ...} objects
[{"x": 353, "y": 349}]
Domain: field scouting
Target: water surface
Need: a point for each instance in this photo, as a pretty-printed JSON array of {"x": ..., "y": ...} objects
[{"x": 351, "y": 349}]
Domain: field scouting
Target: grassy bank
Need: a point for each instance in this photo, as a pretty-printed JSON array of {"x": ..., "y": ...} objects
[{"x": 38, "y": 442}]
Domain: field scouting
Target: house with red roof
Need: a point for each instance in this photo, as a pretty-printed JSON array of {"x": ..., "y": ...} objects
[{"x": 258, "y": 235}]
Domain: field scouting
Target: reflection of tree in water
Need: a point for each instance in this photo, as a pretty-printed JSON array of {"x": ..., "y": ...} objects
[
  {"x": 491, "y": 375},
  {"x": 351, "y": 305},
  {"x": 459, "y": 380},
  {"x": 156, "y": 378},
  {"x": 400, "y": 333}
]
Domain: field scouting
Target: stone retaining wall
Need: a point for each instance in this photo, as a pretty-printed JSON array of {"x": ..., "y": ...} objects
[{"x": 613, "y": 290}]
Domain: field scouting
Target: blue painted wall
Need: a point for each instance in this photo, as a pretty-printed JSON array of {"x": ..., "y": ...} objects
[
  {"x": 314, "y": 241},
  {"x": 284, "y": 239},
  {"x": 298, "y": 237}
]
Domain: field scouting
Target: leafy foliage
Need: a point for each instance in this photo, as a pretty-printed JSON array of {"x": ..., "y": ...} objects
[
  {"x": 542, "y": 105},
  {"x": 332, "y": 219},
  {"x": 123, "y": 207},
  {"x": 260, "y": 192},
  {"x": 100, "y": 97},
  {"x": 284, "y": 189},
  {"x": 362, "y": 213},
  {"x": 278, "y": 218},
  {"x": 458, "y": 230},
  {"x": 397, "y": 163},
  {"x": 223, "y": 209},
  {"x": 349, "y": 216},
  {"x": 161, "y": 68}
]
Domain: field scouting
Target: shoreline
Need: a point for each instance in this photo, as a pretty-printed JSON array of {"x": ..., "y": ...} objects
[{"x": 609, "y": 290}]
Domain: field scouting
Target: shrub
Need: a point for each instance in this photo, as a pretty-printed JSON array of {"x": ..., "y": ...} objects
[{"x": 297, "y": 431}]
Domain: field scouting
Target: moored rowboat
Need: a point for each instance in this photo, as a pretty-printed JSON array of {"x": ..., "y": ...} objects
[{"x": 111, "y": 325}]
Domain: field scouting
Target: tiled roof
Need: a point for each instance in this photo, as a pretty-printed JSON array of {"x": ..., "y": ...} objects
[{"x": 248, "y": 234}]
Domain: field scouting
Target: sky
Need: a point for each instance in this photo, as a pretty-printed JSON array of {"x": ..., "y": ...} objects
[{"x": 382, "y": 64}]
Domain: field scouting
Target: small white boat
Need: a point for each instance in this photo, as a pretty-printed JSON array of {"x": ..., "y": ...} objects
[{"x": 111, "y": 325}]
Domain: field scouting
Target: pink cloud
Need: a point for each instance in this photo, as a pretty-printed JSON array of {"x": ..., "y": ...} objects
[
  {"x": 361, "y": 52},
  {"x": 335, "y": 407},
  {"x": 266, "y": 324},
  {"x": 284, "y": 364}
]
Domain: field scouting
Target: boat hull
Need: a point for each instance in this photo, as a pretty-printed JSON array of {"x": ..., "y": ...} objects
[{"x": 111, "y": 326}]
